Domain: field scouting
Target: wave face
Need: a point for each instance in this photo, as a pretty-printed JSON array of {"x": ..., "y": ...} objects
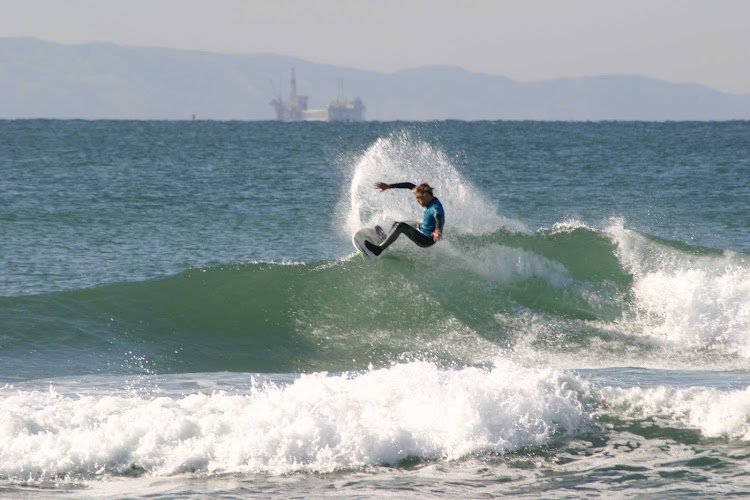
[{"x": 567, "y": 295}]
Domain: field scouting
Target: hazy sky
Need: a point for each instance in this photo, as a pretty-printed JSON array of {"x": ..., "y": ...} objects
[{"x": 702, "y": 41}]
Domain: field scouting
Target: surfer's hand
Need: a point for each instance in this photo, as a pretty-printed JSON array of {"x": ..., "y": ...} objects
[
  {"x": 436, "y": 235},
  {"x": 382, "y": 186}
]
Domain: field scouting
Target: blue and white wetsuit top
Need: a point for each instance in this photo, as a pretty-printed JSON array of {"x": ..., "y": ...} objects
[
  {"x": 434, "y": 218},
  {"x": 434, "y": 215}
]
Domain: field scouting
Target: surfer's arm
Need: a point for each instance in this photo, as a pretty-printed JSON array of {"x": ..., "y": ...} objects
[
  {"x": 439, "y": 221},
  {"x": 438, "y": 232},
  {"x": 399, "y": 185}
]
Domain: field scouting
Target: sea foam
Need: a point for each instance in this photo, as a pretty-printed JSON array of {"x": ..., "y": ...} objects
[
  {"x": 318, "y": 422},
  {"x": 692, "y": 299},
  {"x": 713, "y": 412}
]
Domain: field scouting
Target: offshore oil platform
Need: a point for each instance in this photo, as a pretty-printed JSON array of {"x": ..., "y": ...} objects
[{"x": 295, "y": 109}]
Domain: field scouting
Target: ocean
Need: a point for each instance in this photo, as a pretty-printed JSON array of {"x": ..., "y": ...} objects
[{"x": 183, "y": 315}]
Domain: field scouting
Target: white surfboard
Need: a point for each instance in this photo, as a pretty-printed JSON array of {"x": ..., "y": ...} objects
[{"x": 366, "y": 234}]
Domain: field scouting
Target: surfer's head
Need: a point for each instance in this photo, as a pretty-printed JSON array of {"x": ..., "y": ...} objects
[{"x": 423, "y": 193}]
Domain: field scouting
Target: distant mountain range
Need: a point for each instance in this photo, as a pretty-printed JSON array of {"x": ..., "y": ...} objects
[{"x": 40, "y": 79}]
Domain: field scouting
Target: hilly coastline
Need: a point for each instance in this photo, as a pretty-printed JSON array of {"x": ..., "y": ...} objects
[{"x": 40, "y": 79}]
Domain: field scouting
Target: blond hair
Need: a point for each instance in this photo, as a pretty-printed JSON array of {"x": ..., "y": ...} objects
[{"x": 422, "y": 189}]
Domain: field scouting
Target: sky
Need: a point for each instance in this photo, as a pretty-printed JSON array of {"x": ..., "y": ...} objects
[{"x": 700, "y": 41}]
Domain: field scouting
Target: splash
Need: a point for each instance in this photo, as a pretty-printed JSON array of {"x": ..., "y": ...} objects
[{"x": 401, "y": 158}]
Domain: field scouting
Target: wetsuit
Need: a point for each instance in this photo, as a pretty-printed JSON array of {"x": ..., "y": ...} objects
[{"x": 434, "y": 218}]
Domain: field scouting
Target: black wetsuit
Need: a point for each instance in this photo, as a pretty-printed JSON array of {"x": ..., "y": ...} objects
[{"x": 434, "y": 218}]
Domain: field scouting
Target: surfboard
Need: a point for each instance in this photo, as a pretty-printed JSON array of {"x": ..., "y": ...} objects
[{"x": 370, "y": 234}]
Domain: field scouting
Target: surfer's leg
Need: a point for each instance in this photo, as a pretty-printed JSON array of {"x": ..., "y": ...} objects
[
  {"x": 395, "y": 232},
  {"x": 416, "y": 235},
  {"x": 398, "y": 228}
]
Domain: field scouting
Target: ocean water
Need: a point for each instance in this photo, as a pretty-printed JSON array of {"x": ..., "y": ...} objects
[{"x": 182, "y": 313}]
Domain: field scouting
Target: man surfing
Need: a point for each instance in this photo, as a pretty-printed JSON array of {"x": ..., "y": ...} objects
[{"x": 431, "y": 228}]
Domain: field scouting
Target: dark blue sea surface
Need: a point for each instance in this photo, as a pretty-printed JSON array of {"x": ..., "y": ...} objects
[{"x": 182, "y": 313}]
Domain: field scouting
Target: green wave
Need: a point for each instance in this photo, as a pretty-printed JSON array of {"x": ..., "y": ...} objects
[{"x": 272, "y": 317}]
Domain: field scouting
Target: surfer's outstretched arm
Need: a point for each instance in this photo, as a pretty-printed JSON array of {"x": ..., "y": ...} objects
[{"x": 399, "y": 185}]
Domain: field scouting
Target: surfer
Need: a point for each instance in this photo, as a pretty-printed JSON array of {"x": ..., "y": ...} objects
[{"x": 429, "y": 231}]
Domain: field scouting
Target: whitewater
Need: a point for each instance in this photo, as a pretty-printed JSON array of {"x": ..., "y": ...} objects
[{"x": 182, "y": 313}]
